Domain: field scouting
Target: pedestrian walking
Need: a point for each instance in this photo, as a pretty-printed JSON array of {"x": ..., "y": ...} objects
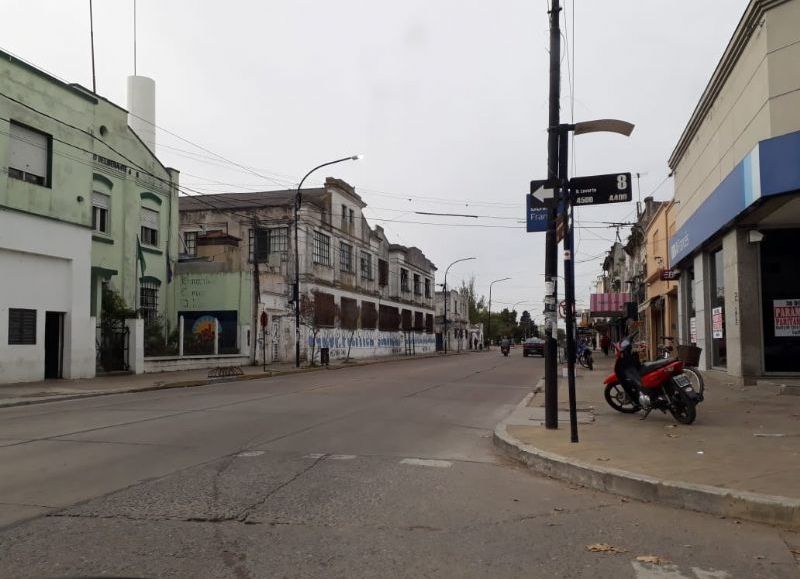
[{"x": 605, "y": 344}]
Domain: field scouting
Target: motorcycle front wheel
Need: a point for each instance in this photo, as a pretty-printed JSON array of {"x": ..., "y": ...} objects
[{"x": 619, "y": 400}]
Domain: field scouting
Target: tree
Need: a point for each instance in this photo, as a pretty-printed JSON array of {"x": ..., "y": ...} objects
[
  {"x": 526, "y": 323},
  {"x": 476, "y": 305},
  {"x": 317, "y": 311}
]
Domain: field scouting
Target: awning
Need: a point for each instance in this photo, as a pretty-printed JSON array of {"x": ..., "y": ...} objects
[{"x": 607, "y": 305}]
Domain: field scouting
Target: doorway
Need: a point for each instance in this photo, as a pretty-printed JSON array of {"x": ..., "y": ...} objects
[
  {"x": 53, "y": 344},
  {"x": 780, "y": 300}
]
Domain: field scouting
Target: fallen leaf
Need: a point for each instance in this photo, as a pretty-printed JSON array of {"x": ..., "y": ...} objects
[
  {"x": 794, "y": 551},
  {"x": 759, "y": 557},
  {"x": 671, "y": 426},
  {"x": 605, "y": 548},
  {"x": 624, "y": 500},
  {"x": 671, "y": 435},
  {"x": 558, "y": 509},
  {"x": 652, "y": 559},
  {"x": 515, "y": 500},
  {"x": 603, "y": 459}
]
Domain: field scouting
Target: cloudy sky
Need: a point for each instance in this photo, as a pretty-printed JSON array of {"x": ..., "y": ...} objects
[{"x": 447, "y": 100}]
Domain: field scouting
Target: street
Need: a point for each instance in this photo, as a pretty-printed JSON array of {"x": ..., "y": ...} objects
[{"x": 385, "y": 470}]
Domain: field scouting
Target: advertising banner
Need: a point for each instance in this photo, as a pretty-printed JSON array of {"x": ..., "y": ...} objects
[
  {"x": 717, "y": 330},
  {"x": 787, "y": 318}
]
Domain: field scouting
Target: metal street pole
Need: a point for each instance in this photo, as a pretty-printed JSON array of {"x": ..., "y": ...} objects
[
  {"x": 446, "y": 297},
  {"x": 489, "y": 324},
  {"x": 569, "y": 274},
  {"x": 551, "y": 244},
  {"x": 296, "y": 291}
]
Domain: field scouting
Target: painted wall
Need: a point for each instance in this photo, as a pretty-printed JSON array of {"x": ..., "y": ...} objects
[
  {"x": 45, "y": 265},
  {"x": 370, "y": 343}
]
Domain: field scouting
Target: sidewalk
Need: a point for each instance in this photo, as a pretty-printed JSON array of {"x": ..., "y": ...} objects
[
  {"x": 24, "y": 393},
  {"x": 740, "y": 459}
]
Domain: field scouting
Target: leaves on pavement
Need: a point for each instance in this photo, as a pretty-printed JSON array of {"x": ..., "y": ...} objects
[
  {"x": 605, "y": 548},
  {"x": 652, "y": 559}
]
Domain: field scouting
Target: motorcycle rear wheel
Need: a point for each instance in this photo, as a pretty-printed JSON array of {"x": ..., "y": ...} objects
[
  {"x": 682, "y": 408},
  {"x": 619, "y": 400}
]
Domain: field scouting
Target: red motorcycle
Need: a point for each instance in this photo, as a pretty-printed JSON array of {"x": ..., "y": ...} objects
[{"x": 660, "y": 385}]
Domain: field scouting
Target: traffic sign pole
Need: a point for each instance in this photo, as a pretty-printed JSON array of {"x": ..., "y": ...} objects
[{"x": 569, "y": 276}]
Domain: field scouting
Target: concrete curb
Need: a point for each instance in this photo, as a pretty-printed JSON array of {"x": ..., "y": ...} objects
[
  {"x": 211, "y": 381},
  {"x": 720, "y": 501}
]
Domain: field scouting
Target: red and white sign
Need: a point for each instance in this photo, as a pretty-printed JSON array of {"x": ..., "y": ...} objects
[
  {"x": 787, "y": 318},
  {"x": 717, "y": 323}
]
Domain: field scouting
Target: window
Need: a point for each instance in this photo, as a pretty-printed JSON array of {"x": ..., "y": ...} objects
[
  {"x": 429, "y": 323},
  {"x": 322, "y": 249},
  {"x": 369, "y": 315},
  {"x": 351, "y": 216},
  {"x": 427, "y": 288},
  {"x": 100, "y": 206},
  {"x": 417, "y": 285},
  {"x": 148, "y": 300},
  {"x": 29, "y": 155},
  {"x": 349, "y": 313},
  {"x": 21, "y": 327},
  {"x": 346, "y": 257},
  {"x": 405, "y": 317},
  {"x": 388, "y": 319},
  {"x": 344, "y": 216},
  {"x": 404, "y": 280},
  {"x": 324, "y": 309},
  {"x": 383, "y": 272},
  {"x": 419, "y": 321},
  {"x": 190, "y": 242},
  {"x": 265, "y": 242},
  {"x": 149, "y": 227},
  {"x": 366, "y": 266}
]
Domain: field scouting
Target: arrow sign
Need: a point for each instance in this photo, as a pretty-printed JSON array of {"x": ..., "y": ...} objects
[
  {"x": 601, "y": 189},
  {"x": 544, "y": 192}
]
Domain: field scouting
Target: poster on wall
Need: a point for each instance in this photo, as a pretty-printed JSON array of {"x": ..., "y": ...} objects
[
  {"x": 693, "y": 330},
  {"x": 717, "y": 331},
  {"x": 787, "y": 318}
]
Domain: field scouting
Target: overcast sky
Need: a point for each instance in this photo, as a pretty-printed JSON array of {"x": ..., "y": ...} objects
[{"x": 447, "y": 100}]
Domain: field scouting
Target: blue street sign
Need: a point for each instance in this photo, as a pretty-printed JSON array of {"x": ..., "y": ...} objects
[{"x": 537, "y": 214}]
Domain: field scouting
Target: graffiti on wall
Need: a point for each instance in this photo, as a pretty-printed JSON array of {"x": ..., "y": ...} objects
[{"x": 371, "y": 342}]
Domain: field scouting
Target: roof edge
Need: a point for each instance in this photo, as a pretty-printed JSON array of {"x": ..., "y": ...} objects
[{"x": 736, "y": 45}]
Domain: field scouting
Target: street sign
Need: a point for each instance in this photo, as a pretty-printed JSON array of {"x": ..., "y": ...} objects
[
  {"x": 544, "y": 192},
  {"x": 670, "y": 274},
  {"x": 536, "y": 215},
  {"x": 601, "y": 189}
]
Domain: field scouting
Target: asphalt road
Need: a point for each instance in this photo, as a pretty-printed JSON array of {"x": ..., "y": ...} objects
[{"x": 385, "y": 470}]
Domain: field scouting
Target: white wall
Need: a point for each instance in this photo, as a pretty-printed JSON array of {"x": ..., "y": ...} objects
[{"x": 45, "y": 266}]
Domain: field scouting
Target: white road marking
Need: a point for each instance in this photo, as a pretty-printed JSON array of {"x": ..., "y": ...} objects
[
  {"x": 342, "y": 456},
  {"x": 425, "y": 462},
  {"x": 249, "y": 453},
  {"x": 646, "y": 571}
]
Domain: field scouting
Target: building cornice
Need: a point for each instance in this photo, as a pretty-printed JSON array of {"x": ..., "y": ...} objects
[{"x": 750, "y": 20}]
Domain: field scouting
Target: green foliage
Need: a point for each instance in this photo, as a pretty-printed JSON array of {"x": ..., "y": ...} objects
[
  {"x": 113, "y": 305},
  {"x": 156, "y": 340}
]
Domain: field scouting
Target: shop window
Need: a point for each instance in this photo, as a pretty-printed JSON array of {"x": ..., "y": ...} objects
[{"x": 717, "y": 309}]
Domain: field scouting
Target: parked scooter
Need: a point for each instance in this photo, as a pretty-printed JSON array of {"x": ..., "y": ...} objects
[
  {"x": 584, "y": 355},
  {"x": 657, "y": 385}
]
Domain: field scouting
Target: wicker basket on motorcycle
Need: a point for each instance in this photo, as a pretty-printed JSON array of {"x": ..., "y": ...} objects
[{"x": 689, "y": 355}]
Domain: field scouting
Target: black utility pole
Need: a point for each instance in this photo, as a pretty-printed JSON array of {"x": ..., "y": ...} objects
[
  {"x": 569, "y": 273},
  {"x": 551, "y": 244}
]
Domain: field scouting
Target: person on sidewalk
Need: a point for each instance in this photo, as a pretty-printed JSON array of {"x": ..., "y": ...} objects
[{"x": 605, "y": 344}]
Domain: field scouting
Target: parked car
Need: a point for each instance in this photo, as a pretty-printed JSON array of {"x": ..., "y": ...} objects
[{"x": 533, "y": 347}]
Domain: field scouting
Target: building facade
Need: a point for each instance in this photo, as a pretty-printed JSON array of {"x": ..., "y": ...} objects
[
  {"x": 737, "y": 183},
  {"x": 360, "y": 294},
  {"x": 659, "y": 312},
  {"x": 459, "y": 332}
]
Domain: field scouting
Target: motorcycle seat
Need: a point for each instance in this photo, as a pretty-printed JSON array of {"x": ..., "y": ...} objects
[{"x": 648, "y": 367}]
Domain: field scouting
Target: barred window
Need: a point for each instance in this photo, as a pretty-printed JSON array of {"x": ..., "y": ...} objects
[
  {"x": 417, "y": 285},
  {"x": 148, "y": 300},
  {"x": 21, "y": 326},
  {"x": 322, "y": 248},
  {"x": 265, "y": 242},
  {"x": 190, "y": 242},
  {"x": 346, "y": 257},
  {"x": 366, "y": 266}
]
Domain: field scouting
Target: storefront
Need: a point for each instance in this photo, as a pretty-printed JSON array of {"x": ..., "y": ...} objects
[{"x": 739, "y": 291}]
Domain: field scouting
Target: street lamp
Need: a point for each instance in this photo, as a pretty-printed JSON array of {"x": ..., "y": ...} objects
[
  {"x": 447, "y": 298},
  {"x": 297, "y": 201},
  {"x": 489, "y": 324},
  {"x": 597, "y": 126}
]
